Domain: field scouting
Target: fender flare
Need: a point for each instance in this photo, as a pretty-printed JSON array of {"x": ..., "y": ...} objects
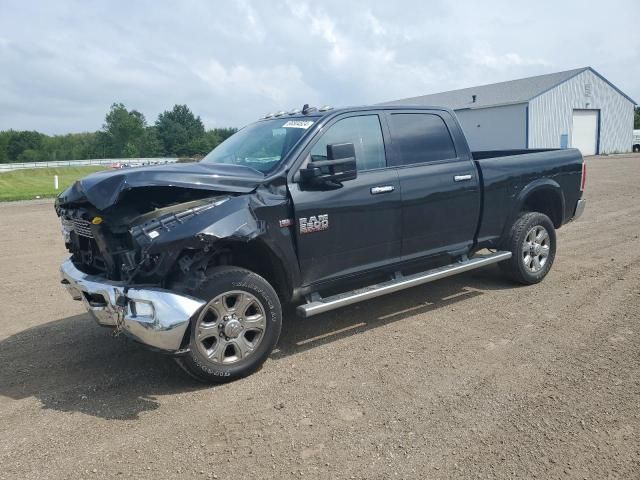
[{"x": 532, "y": 188}]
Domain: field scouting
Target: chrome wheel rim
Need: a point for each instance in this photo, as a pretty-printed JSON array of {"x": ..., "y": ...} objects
[
  {"x": 230, "y": 327},
  {"x": 535, "y": 249}
]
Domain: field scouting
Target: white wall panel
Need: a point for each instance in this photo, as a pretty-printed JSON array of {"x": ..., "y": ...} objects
[{"x": 550, "y": 114}]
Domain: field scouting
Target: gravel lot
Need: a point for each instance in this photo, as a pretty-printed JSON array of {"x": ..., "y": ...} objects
[{"x": 469, "y": 377}]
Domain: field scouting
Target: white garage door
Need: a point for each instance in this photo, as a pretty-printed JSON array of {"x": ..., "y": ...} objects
[{"x": 584, "y": 135}]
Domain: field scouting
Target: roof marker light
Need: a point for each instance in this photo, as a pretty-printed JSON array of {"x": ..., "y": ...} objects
[{"x": 308, "y": 109}]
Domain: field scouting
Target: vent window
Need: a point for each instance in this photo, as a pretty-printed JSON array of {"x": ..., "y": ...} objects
[{"x": 587, "y": 89}]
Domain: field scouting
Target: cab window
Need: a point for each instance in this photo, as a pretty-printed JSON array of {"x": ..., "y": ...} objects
[
  {"x": 420, "y": 138},
  {"x": 364, "y": 132}
]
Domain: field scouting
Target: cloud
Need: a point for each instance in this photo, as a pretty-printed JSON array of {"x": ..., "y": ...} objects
[
  {"x": 484, "y": 56},
  {"x": 376, "y": 25},
  {"x": 63, "y": 63},
  {"x": 277, "y": 87}
]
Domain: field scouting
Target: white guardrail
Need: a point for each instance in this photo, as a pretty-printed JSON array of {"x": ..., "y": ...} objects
[{"x": 133, "y": 162}]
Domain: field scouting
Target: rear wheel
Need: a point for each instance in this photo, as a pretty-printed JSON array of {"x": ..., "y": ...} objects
[
  {"x": 532, "y": 241},
  {"x": 236, "y": 330}
]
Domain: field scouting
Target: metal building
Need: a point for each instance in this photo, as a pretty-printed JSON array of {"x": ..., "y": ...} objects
[{"x": 577, "y": 108}]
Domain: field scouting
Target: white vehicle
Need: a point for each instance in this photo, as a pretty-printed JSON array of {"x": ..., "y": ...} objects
[{"x": 636, "y": 140}]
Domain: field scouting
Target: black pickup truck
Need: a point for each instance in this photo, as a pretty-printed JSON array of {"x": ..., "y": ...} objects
[{"x": 318, "y": 208}]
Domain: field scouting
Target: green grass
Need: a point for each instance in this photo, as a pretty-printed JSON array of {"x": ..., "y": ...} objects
[{"x": 38, "y": 182}]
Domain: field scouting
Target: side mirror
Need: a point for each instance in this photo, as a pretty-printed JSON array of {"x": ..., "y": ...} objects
[{"x": 339, "y": 167}]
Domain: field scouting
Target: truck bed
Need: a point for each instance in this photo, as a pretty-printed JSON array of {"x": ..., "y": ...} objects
[{"x": 505, "y": 174}]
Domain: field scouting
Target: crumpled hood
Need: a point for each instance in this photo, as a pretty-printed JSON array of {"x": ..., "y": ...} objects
[{"x": 103, "y": 189}]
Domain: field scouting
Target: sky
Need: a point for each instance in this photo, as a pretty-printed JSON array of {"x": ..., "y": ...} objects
[{"x": 63, "y": 63}]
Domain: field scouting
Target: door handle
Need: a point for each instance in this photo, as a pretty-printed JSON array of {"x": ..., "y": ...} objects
[
  {"x": 382, "y": 189},
  {"x": 462, "y": 178}
]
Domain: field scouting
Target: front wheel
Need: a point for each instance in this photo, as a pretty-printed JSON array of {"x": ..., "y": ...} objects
[
  {"x": 532, "y": 241},
  {"x": 236, "y": 330}
]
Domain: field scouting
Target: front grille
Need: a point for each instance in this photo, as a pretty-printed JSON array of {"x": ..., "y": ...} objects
[{"x": 82, "y": 228}]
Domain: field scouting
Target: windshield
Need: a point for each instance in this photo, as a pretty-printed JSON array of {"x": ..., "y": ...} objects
[{"x": 260, "y": 145}]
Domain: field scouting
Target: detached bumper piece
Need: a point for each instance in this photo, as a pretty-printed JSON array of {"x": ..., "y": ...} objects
[{"x": 155, "y": 317}]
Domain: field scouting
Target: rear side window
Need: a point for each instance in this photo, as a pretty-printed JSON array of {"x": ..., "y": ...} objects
[
  {"x": 420, "y": 137},
  {"x": 366, "y": 135}
]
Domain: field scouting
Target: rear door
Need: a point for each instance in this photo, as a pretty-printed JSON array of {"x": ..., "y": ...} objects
[
  {"x": 354, "y": 228},
  {"x": 440, "y": 187}
]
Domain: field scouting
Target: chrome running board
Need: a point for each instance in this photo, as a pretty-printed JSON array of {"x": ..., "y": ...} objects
[{"x": 321, "y": 305}]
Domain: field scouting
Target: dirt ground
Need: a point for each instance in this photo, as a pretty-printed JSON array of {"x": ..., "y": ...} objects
[{"x": 469, "y": 377}]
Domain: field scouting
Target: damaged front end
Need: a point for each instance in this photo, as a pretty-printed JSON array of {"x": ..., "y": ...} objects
[
  {"x": 131, "y": 262},
  {"x": 155, "y": 317}
]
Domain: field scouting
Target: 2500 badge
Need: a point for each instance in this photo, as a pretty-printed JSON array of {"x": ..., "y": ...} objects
[{"x": 315, "y": 223}]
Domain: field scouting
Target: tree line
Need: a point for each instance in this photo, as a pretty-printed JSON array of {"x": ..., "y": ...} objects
[{"x": 125, "y": 134}]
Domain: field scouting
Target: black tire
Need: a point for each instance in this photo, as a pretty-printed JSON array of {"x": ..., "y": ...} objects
[
  {"x": 636, "y": 148},
  {"x": 520, "y": 268},
  {"x": 220, "y": 281}
]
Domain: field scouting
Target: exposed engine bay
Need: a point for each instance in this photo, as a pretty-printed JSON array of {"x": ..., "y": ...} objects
[
  {"x": 115, "y": 242},
  {"x": 145, "y": 227},
  {"x": 151, "y": 241}
]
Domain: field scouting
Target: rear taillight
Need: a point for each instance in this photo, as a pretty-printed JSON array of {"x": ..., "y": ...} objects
[{"x": 583, "y": 182}]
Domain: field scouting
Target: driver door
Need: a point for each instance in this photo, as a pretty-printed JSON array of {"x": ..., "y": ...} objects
[{"x": 346, "y": 231}]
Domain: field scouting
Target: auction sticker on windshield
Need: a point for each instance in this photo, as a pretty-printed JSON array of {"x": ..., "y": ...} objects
[{"x": 298, "y": 124}]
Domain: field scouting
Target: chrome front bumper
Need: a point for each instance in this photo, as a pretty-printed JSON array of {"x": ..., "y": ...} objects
[
  {"x": 153, "y": 316},
  {"x": 579, "y": 209}
]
